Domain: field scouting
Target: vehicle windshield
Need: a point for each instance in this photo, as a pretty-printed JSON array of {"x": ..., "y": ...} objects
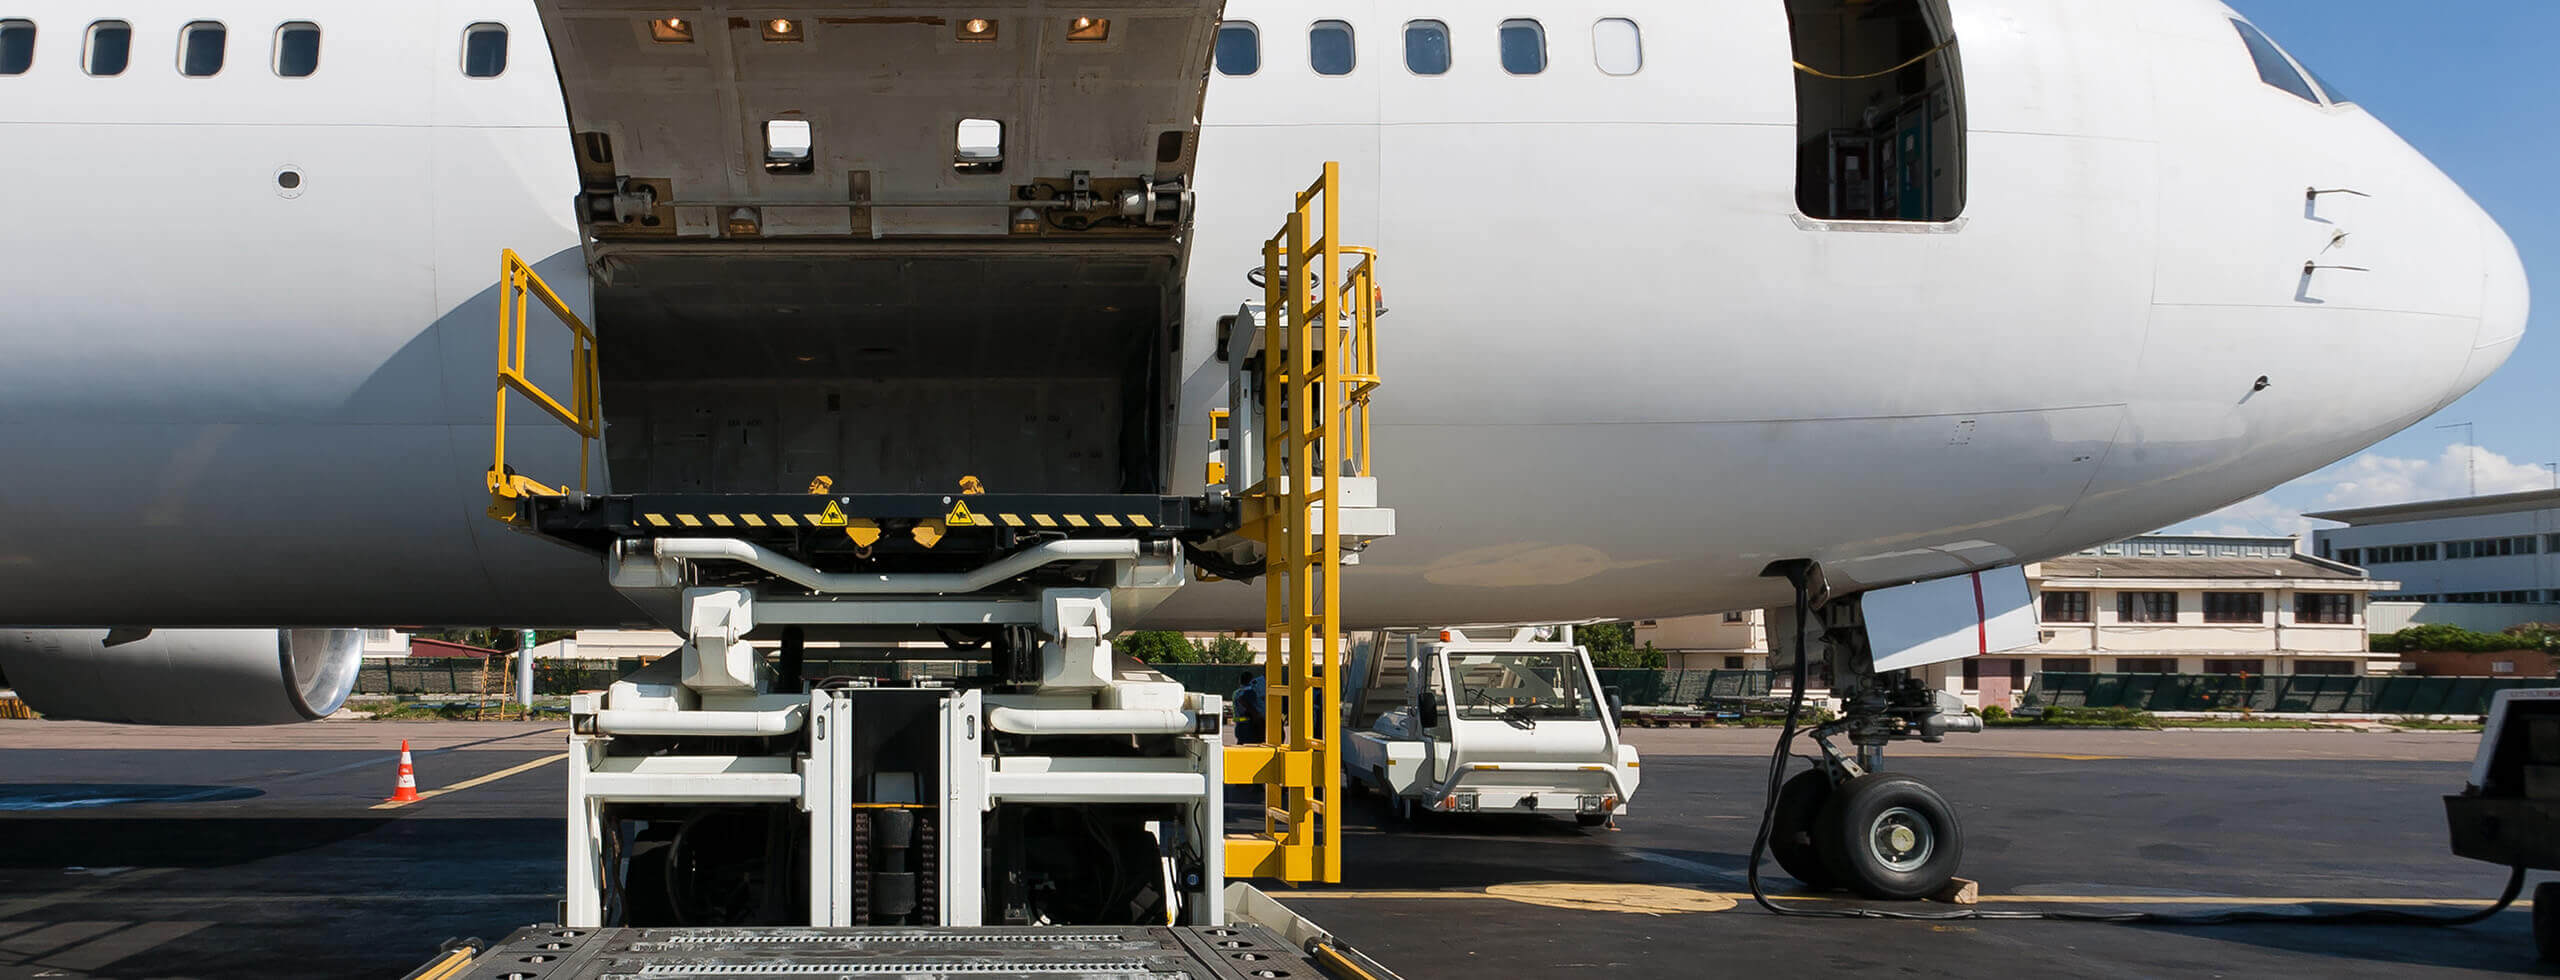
[{"x": 1521, "y": 686}]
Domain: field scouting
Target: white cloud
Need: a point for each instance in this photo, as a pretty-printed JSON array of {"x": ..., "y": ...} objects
[{"x": 2372, "y": 480}]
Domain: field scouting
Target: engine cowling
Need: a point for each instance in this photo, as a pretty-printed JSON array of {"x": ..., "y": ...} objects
[{"x": 183, "y": 676}]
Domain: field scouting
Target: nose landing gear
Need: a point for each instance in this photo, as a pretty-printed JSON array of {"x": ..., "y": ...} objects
[{"x": 1843, "y": 824}]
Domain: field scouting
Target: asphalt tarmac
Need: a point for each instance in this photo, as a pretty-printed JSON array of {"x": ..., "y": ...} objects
[{"x": 265, "y": 853}]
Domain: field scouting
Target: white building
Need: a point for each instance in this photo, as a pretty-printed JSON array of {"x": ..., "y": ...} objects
[
  {"x": 2183, "y": 604},
  {"x": 2483, "y": 563},
  {"x": 2166, "y": 604},
  {"x": 1725, "y": 641}
]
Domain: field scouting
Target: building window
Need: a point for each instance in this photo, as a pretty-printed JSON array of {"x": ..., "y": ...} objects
[
  {"x": 2350, "y": 556},
  {"x": 484, "y": 50},
  {"x": 1426, "y": 47},
  {"x": 1737, "y": 617},
  {"x": 2324, "y": 667},
  {"x": 2066, "y": 665},
  {"x": 2066, "y": 607},
  {"x": 2235, "y": 667},
  {"x": 1524, "y": 46},
  {"x": 297, "y": 49},
  {"x": 2014, "y": 667},
  {"x": 2146, "y": 607},
  {"x": 1329, "y": 49},
  {"x": 110, "y": 48},
  {"x": 200, "y": 49},
  {"x": 2274, "y": 68},
  {"x": 2333, "y": 608},
  {"x": 2235, "y": 607},
  {"x": 2146, "y": 665},
  {"x": 17, "y": 46},
  {"x": 1617, "y": 46},
  {"x": 1733, "y": 663}
]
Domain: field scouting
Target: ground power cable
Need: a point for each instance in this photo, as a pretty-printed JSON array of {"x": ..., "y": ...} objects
[{"x": 1769, "y": 809}]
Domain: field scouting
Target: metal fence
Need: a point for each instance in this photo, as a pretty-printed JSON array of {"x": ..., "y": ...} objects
[
  {"x": 1637, "y": 686},
  {"x": 2308, "y": 693}
]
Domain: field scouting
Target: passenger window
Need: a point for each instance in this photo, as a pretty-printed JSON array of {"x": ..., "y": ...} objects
[
  {"x": 978, "y": 147},
  {"x": 1880, "y": 132},
  {"x": 1239, "y": 48},
  {"x": 1426, "y": 47},
  {"x": 110, "y": 47},
  {"x": 17, "y": 46},
  {"x": 297, "y": 49},
  {"x": 1329, "y": 47},
  {"x": 200, "y": 49},
  {"x": 1616, "y": 46},
  {"x": 1524, "y": 47},
  {"x": 787, "y": 143},
  {"x": 2273, "y": 67},
  {"x": 484, "y": 50}
]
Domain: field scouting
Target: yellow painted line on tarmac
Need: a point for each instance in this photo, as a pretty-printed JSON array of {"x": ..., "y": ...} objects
[
  {"x": 1738, "y": 897},
  {"x": 425, "y": 795}
]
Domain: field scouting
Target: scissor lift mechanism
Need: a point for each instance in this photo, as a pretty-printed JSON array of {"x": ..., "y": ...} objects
[{"x": 922, "y": 806}]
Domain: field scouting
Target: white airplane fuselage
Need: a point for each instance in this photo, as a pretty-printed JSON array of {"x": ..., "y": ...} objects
[{"x": 1624, "y": 371}]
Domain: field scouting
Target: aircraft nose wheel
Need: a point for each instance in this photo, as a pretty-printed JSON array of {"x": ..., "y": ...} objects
[{"x": 1887, "y": 836}]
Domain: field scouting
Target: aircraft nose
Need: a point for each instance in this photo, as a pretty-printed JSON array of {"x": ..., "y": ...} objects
[{"x": 2505, "y": 302}]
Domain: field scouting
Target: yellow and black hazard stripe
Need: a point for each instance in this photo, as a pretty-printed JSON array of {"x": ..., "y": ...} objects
[{"x": 835, "y": 517}]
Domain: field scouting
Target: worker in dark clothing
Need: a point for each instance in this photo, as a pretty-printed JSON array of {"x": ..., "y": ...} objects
[{"x": 1248, "y": 708}]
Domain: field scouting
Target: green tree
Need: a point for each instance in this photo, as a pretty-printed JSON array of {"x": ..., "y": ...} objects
[
  {"x": 1156, "y": 647},
  {"x": 1614, "y": 645},
  {"x": 1224, "y": 648}
]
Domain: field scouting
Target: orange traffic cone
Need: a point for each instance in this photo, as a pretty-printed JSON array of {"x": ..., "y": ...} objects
[{"x": 407, "y": 789}]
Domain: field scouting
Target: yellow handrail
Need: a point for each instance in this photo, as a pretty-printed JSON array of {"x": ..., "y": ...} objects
[
  {"x": 1318, "y": 369},
  {"x": 517, "y": 285}
]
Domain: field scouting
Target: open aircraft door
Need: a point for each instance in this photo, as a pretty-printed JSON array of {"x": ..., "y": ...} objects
[{"x": 1001, "y": 121}]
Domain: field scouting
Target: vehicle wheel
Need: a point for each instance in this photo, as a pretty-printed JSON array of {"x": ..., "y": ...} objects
[
  {"x": 1591, "y": 819},
  {"x": 1889, "y": 836},
  {"x": 1791, "y": 829},
  {"x": 2546, "y": 920}
]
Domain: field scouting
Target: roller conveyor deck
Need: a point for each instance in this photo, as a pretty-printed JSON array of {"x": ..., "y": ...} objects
[{"x": 1116, "y": 952}]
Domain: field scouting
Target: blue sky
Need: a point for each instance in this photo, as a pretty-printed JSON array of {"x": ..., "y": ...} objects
[{"x": 2471, "y": 85}]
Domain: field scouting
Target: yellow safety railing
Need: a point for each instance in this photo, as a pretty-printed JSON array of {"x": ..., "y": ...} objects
[
  {"x": 518, "y": 287},
  {"x": 1318, "y": 369}
]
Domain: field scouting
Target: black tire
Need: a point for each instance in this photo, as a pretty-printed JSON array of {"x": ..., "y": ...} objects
[
  {"x": 1889, "y": 836},
  {"x": 1591, "y": 819},
  {"x": 2546, "y": 920},
  {"x": 1791, "y": 829}
]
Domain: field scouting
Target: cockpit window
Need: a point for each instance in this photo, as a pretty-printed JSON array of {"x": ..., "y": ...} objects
[
  {"x": 2274, "y": 67},
  {"x": 2335, "y": 97}
]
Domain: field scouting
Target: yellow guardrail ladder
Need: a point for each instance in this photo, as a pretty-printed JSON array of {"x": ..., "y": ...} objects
[
  {"x": 1318, "y": 369},
  {"x": 518, "y": 289}
]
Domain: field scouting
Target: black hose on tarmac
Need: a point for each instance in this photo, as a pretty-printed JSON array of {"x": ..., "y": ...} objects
[{"x": 1796, "y": 573}]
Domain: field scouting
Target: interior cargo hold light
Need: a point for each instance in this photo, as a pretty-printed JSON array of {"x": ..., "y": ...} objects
[
  {"x": 1089, "y": 29},
  {"x": 781, "y": 29},
  {"x": 671, "y": 30},
  {"x": 977, "y": 29}
]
